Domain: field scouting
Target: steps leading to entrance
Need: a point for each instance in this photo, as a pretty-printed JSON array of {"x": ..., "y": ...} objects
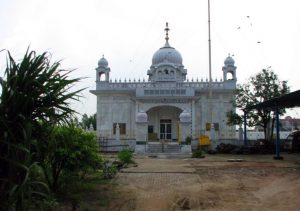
[
  {"x": 154, "y": 148},
  {"x": 163, "y": 148},
  {"x": 172, "y": 148}
]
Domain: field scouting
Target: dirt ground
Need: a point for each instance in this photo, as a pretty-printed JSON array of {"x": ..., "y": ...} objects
[{"x": 212, "y": 183}]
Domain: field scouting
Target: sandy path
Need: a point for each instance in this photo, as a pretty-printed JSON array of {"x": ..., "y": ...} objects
[{"x": 208, "y": 184}]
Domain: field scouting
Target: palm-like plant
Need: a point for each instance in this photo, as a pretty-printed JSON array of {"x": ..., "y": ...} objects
[{"x": 34, "y": 92}]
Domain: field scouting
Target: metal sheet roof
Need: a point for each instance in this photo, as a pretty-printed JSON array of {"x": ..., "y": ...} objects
[{"x": 285, "y": 101}]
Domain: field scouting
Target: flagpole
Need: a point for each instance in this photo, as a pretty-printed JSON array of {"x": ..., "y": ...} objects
[
  {"x": 209, "y": 43},
  {"x": 212, "y": 134}
]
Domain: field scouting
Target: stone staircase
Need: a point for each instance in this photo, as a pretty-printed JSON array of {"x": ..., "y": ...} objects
[
  {"x": 154, "y": 148},
  {"x": 163, "y": 148},
  {"x": 172, "y": 148}
]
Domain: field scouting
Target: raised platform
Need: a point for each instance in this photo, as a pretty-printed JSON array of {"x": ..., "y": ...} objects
[{"x": 168, "y": 148}]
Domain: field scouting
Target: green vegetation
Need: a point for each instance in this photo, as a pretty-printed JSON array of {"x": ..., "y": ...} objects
[
  {"x": 263, "y": 86},
  {"x": 109, "y": 170},
  {"x": 88, "y": 121},
  {"x": 126, "y": 156},
  {"x": 36, "y": 154},
  {"x": 197, "y": 153},
  {"x": 69, "y": 153},
  {"x": 46, "y": 159},
  {"x": 188, "y": 140}
]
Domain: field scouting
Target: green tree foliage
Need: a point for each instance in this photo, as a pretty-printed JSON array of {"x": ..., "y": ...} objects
[
  {"x": 69, "y": 152},
  {"x": 126, "y": 156},
  {"x": 261, "y": 87},
  {"x": 35, "y": 92},
  {"x": 88, "y": 121}
]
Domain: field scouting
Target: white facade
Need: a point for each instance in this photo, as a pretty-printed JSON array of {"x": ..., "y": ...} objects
[{"x": 167, "y": 106}]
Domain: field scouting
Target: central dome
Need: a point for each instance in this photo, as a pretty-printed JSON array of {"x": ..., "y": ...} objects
[{"x": 167, "y": 54}]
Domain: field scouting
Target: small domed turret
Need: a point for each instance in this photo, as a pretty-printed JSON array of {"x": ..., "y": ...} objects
[
  {"x": 103, "y": 62},
  {"x": 229, "y": 69},
  {"x": 229, "y": 61},
  {"x": 102, "y": 69}
]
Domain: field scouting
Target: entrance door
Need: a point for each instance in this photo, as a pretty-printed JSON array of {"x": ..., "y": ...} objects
[{"x": 165, "y": 129}]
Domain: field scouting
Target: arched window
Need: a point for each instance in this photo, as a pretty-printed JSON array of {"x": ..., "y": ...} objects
[
  {"x": 172, "y": 74},
  {"x": 230, "y": 76},
  {"x": 101, "y": 76}
]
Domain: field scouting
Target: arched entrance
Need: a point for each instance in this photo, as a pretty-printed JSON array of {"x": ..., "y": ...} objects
[{"x": 163, "y": 123}]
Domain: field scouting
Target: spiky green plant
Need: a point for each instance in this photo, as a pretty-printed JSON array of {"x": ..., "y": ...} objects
[{"x": 34, "y": 93}]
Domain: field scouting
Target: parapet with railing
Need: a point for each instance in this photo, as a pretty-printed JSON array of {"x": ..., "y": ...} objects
[{"x": 152, "y": 88}]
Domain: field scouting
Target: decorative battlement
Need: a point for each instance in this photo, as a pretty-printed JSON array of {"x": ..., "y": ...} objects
[
  {"x": 143, "y": 80},
  {"x": 166, "y": 89}
]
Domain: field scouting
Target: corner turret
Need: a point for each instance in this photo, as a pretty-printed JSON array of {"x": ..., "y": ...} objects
[{"x": 102, "y": 69}]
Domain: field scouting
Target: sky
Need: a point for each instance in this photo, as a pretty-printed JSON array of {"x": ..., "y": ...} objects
[{"x": 259, "y": 33}]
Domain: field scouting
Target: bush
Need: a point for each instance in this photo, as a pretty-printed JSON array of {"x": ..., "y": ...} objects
[
  {"x": 34, "y": 91},
  {"x": 234, "y": 149},
  {"x": 109, "y": 170},
  {"x": 67, "y": 155},
  {"x": 188, "y": 140},
  {"x": 225, "y": 148},
  {"x": 126, "y": 156},
  {"x": 197, "y": 153}
]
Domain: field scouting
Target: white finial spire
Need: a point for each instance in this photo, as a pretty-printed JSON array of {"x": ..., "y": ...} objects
[{"x": 167, "y": 29}]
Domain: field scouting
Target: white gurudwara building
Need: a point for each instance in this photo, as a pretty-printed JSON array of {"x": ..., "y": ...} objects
[{"x": 165, "y": 109}]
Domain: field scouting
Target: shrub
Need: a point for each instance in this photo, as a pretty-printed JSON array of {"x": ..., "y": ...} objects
[
  {"x": 33, "y": 91},
  {"x": 68, "y": 153},
  {"x": 109, "y": 170},
  {"x": 126, "y": 156},
  {"x": 188, "y": 140},
  {"x": 197, "y": 153}
]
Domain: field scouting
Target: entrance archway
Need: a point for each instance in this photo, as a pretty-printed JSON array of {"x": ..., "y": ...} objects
[{"x": 163, "y": 123}]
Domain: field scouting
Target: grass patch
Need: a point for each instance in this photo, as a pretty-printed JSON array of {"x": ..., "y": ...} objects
[{"x": 92, "y": 193}]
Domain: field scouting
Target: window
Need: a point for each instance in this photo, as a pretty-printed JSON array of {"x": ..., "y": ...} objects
[
  {"x": 216, "y": 126},
  {"x": 150, "y": 129},
  {"x": 230, "y": 76},
  {"x": 122, "y": 127},
  {"x": 172, "y": 74}
]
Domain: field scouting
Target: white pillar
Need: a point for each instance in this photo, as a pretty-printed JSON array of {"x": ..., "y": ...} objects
[
  {"x": 141, "y": 126},
  {"x": 141, "y": 131},
  {"x": 117, "y": 132},
  {"x": 185, "y": 131},
  {"x": 185, "y": 125},
  {"x": 193, "y": 119}
]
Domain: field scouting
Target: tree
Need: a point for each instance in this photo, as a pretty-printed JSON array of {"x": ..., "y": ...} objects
[
  {"x": 88, "y": 121},
  {"x": 69, "y": 153},
  {"x": 35, "y": 94},
  {"x": 261, "y": 87}
]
